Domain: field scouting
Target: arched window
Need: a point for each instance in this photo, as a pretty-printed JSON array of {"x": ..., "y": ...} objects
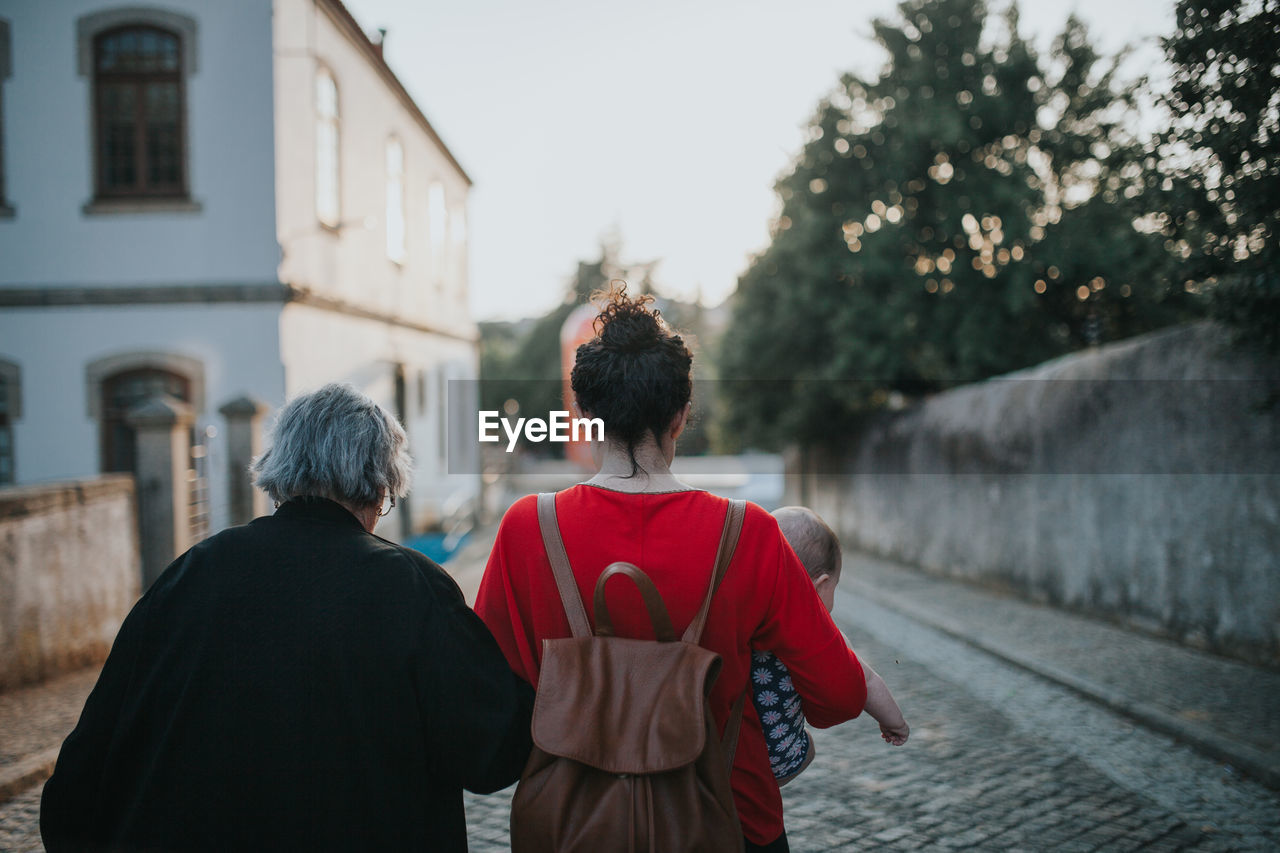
[
  {"x": 117, "y": 384},
  {"x": 458, "y": 251},
  {"x": 438, "y": 226},
  {"x": 120, "y": 393},
  {"x": 328, "y": 197},
  {"x": 395, "y": 201},
  {"x": 139, "y": 112}
]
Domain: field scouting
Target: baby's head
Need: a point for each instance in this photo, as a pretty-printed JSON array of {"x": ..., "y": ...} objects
[{"x": 817, "y": 547}]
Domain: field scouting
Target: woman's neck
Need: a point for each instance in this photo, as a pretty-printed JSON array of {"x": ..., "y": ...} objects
[{"x": 652, "y": 469}]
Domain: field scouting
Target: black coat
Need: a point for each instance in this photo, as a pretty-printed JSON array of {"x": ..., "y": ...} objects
[{"x": 293, "y": 684}]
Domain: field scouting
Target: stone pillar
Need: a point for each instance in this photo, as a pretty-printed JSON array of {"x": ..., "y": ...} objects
[
  {"x": 163, "y": 428},
  {"x": 244, "y": 442}
]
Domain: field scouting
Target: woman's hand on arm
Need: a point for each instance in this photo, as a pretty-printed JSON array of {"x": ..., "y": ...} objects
[
  {"x": 480, "y": 724},
  {"x": 498, "y": 601}
]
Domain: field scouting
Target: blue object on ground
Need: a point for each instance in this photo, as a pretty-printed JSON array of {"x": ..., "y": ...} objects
[{"x": 437, "y": 546}]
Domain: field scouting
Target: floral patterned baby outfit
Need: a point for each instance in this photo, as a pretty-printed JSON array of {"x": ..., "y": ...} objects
[{"x": 778, "y": 707}]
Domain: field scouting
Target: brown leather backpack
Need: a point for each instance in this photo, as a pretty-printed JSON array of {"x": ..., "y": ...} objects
[{"x": 625, "y": 755}]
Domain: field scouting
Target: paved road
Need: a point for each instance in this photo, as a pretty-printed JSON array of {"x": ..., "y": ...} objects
[{"x": 999, "y": 759}]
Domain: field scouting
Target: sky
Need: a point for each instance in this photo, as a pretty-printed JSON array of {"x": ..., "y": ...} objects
[{"x": 665, "y": 123}]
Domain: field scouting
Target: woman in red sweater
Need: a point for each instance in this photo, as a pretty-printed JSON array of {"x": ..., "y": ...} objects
[{"x": 636, "y": 375}]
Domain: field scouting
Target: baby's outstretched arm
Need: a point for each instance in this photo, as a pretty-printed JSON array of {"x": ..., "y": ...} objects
[{"x": 882, "y": 707}]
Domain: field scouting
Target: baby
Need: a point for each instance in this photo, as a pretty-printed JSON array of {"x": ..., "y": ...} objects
[{"x": 776, "y": 702}]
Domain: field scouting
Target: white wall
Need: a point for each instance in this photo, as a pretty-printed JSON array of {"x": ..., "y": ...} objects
[
  {"x": 365, "y": 353},
  {"x": 56, "y": 438},
  {"x": 352, "y": 264},
  {"x": 251, "y": 127},
  {"x": 49, "y": 156}
]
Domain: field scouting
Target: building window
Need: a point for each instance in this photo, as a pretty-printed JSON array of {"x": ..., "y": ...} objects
[
  {"x": 6, "y": 68},
  {"x": 328, "y": 198},
  {"x": 458, "y": 250},
  {"x": 139, "y": 113},
  {"x": 395, "y": 201},
  {"x": 10, "y": 410},
  {"x": 438, "y": 224},
  {"x": 136, "y": 61},
  {"x": 120, "y": 393}
]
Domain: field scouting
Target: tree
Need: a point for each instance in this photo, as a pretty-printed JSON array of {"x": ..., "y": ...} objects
[
  {"x": 1222, "y": 158},
  {"x": 969, "y": 212},
  {"x": 521, "y": 362}
]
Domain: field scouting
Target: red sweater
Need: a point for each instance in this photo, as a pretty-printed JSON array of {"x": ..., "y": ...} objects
[{"x": 766, "y": 601}]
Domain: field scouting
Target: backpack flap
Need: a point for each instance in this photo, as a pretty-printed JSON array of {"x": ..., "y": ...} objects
[{"x": 623, "y": 706}]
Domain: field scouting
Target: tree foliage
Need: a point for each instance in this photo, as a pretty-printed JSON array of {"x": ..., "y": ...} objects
[
  {"x": 969, "y": 212},
  {"x": 1222, "y": 158},
  {"x": 521, "y": 361}
]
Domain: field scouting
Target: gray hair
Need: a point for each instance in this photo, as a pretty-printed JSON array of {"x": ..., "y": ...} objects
[{"x": 335, "y": 443}]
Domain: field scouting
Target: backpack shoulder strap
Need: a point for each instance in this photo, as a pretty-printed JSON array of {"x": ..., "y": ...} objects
[
  {"x": 565, "y": 583},
  {"x": 724, "y": 555}
]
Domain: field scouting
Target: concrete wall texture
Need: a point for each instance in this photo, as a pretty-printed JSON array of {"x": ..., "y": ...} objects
[
  {"x": 1139, "y": 481},
  {"x": 68, "y": 574}
]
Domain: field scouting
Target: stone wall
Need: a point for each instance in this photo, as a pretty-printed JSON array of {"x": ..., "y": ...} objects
[
  {"x": 69, "y": 572},
  {"x": 1139, "y": 481}
]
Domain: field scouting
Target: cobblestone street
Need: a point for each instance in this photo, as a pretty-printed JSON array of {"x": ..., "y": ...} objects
[{"x": 999, "y": 759}]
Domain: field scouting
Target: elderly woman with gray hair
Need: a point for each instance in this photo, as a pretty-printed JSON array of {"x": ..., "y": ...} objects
[{"x": 296, "y": 683}]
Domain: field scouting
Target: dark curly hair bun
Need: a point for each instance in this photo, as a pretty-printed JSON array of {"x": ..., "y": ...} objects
[
  {"x": 635, "y": 374},
  {"x": 627, "y": 325}
]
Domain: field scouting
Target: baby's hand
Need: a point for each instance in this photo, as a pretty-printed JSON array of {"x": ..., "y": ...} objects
[{"x": 895, "y": 735}]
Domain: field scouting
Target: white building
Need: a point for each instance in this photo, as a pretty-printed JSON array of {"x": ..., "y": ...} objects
[{"x": 218, "y": 201}]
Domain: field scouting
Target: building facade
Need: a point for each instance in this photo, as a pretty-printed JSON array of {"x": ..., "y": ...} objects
[{"x": 223, "y": 205}]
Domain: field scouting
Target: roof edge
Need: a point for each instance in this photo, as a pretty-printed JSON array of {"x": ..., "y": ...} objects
[{"x": 346, "y": 22}]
